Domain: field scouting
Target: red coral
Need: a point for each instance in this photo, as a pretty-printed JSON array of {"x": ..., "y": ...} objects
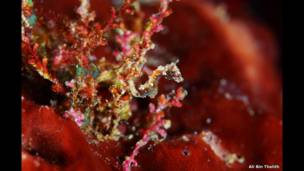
[{"x": 234, "y": 97}]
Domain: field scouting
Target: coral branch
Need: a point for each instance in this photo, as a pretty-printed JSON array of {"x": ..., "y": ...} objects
[
  {"x": 158, "y": 126},
  {"x": 98, "y": 91}
]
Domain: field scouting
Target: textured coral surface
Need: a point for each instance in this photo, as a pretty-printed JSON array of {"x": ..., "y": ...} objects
[{"x": 230, "y": 119}]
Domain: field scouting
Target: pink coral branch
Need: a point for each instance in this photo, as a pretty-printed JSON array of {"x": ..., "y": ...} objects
[
  {"x": 77, "y": 116},
  {"x": 158, "y": 127}
]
